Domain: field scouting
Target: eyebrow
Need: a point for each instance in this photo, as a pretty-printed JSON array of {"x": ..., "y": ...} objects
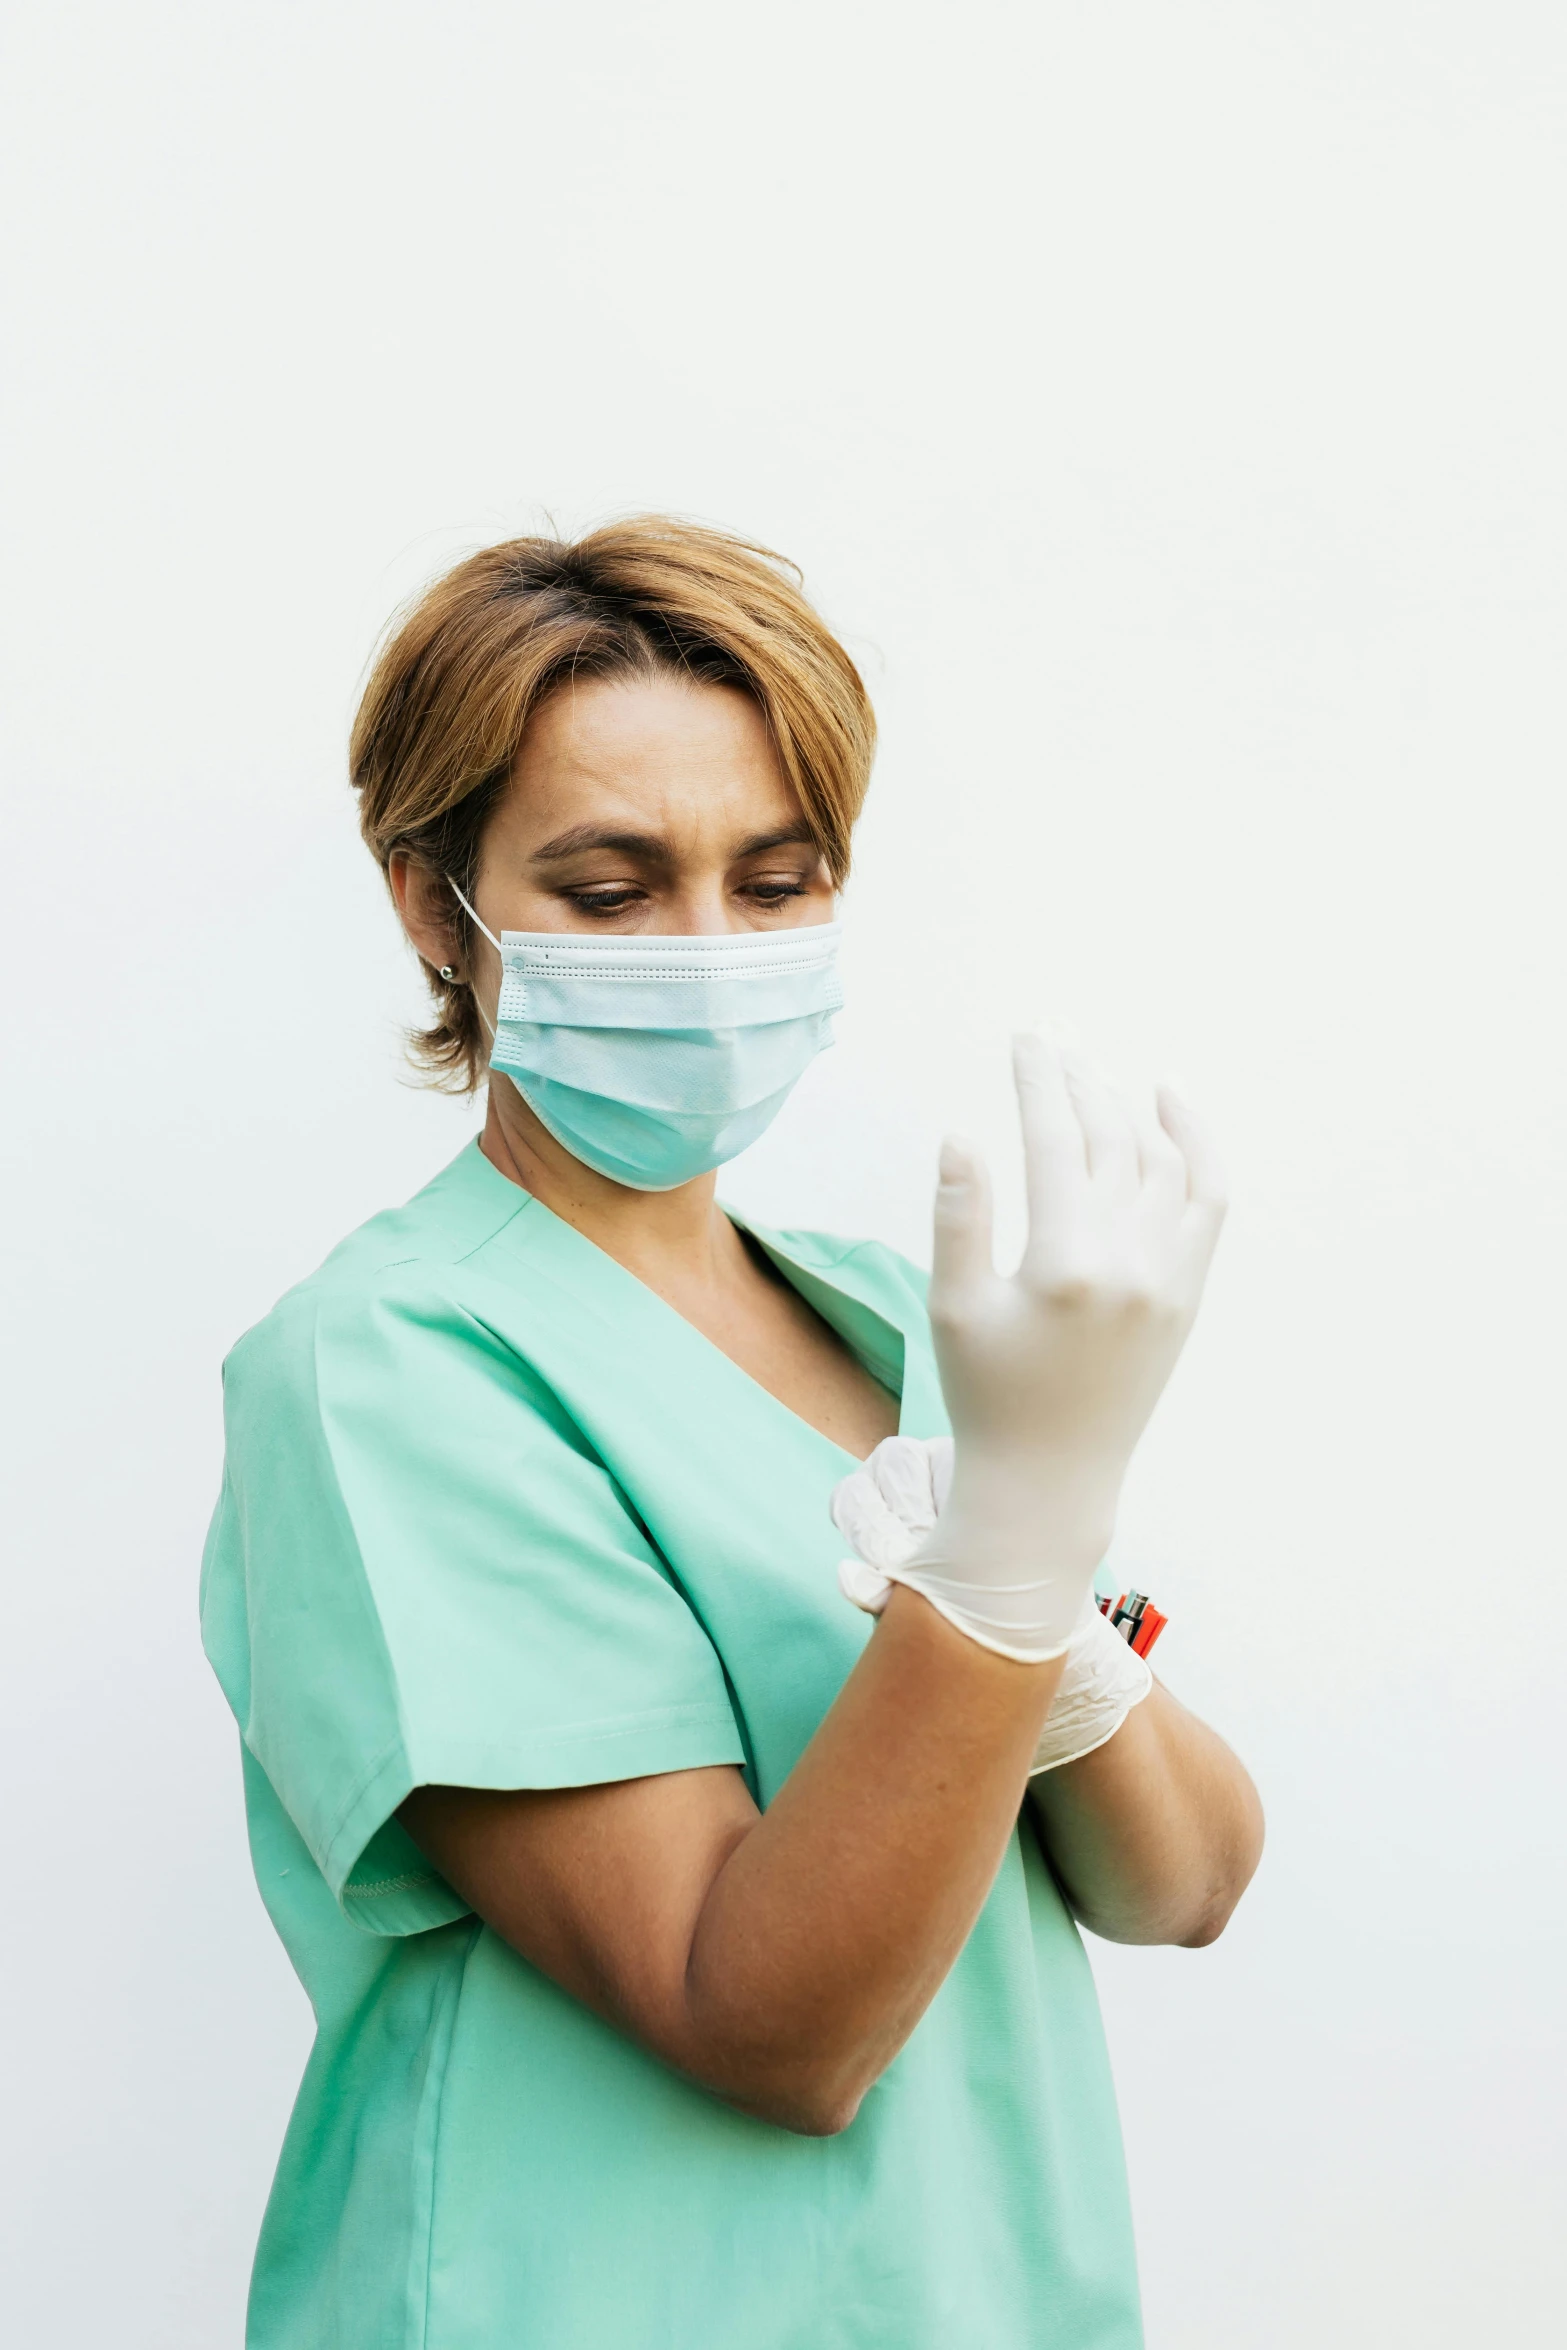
[{"x": 651, "y": 848}]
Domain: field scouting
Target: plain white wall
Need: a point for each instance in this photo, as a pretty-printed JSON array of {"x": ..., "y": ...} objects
[{"x": 1166, "y": 403}]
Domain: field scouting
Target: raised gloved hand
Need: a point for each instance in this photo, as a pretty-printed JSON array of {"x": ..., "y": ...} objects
[
  {"x": 1050, "y": 1376},
  {"x": 887, "y": 1507}
]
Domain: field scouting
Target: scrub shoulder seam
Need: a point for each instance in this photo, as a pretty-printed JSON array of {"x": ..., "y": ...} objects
[
  {"x": 912, "y": 1277},
  {"x": 408, "y": 1884},
  {"x": 519, "y": 1207}
]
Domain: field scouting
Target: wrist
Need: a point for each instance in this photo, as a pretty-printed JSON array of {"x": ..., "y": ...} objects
[
  {"x": 912, "y": 1611},
  {"x": 987, "y": 1618},
  {"x": 1022, "y": 1536},
  {"x": 1011, "y": 1553}
]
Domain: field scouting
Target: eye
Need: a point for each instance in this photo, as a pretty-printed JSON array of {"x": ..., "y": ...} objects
[
  {"x": 772, "y": 890},
  {"x": 613, "y": 900}
]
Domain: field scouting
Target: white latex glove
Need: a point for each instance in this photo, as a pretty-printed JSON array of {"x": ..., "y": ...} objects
[
  {"x": 887, "y": 1507},
  {"x": 1050, "y": 1376}
]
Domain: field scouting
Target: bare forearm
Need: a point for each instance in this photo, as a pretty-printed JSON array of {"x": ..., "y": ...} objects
[
  {"x": 834, "y": 1922},
  {"x": 780, "y": 1958},
  {"x": 1157, "y": 1833}
]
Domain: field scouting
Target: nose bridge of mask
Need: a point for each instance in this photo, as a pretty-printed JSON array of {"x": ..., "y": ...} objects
[
  {"x": 725, "y": 980},
  {"x": 701, "y": 993}
]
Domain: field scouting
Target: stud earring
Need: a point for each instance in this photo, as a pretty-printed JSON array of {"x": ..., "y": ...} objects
[{"x": 447, "y": 972}]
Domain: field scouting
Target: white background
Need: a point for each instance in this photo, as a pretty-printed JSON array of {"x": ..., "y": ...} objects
[{"x": 1167, "y": 405}]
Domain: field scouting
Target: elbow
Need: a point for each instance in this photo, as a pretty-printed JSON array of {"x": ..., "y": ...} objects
[
  {"x": 1223, "y": 1898},
  {"x": 804, "y": 2073},
  {"x": 1176, "y": 1923},
  {"x": 808, "y": 2100},
  {"x": 821, "y": 2117},
  {"x": 806, "y": 2108},
  {"x": 1209, "y": 1926}
]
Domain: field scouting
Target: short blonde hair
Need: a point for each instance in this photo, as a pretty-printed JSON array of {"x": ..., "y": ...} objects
[{"x": 464, "y": 668}]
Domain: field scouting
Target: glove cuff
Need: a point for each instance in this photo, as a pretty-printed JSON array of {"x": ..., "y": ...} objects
[
  {"x": 1005, "y": 1624},
  {"x": 1102, "y": 1682}
]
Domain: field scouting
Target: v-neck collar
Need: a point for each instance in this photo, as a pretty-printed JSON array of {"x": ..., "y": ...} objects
[{"x": 851, "y": 1305}]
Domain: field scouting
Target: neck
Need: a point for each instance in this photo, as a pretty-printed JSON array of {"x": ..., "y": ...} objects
[{"x": 661, "y": 1236}]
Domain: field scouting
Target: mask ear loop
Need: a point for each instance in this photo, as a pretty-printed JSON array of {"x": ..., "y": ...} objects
[{"x": 474, "y": 917}]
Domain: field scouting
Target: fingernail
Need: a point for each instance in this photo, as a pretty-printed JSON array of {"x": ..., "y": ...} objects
[{"x": 957, "y": 1161}]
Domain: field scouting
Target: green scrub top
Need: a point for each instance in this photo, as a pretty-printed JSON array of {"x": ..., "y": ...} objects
[{"x": 494, "y": 1515}]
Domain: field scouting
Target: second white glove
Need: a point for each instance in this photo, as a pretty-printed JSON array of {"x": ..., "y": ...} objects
[{"x": 885, "y": 1510}]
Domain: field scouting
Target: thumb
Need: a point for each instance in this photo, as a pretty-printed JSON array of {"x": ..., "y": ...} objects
[
  {"x": 942, "y": 1452},
  {"x": 961, "y": 1255}
]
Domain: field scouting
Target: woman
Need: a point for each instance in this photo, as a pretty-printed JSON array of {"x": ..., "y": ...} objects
[{"x": 690, "y": 1972}]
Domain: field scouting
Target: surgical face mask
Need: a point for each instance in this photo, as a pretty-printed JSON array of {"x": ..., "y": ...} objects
[{"x": 653, "y": 1060}]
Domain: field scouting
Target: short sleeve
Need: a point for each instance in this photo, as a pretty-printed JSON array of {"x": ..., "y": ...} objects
[{"x": 421, "y": 1574}]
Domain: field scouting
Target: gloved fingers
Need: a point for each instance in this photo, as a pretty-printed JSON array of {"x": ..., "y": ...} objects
[
  {"x": 1100, "y": 1684},
  {"x": 1206, "y": 1189},
  {"x": 1067, "y": 1739},
  {"x": 1162, "y": 1166},
  {"x": 1054, "y": 1152},
  {"x": 961, "y": 1257},
  {"x": 901, "y": 1466},
  {"x": 867, "y": 1522},
  {"x": 1109, "y": 1138},
  {"x": 863, "y": 1586}
]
